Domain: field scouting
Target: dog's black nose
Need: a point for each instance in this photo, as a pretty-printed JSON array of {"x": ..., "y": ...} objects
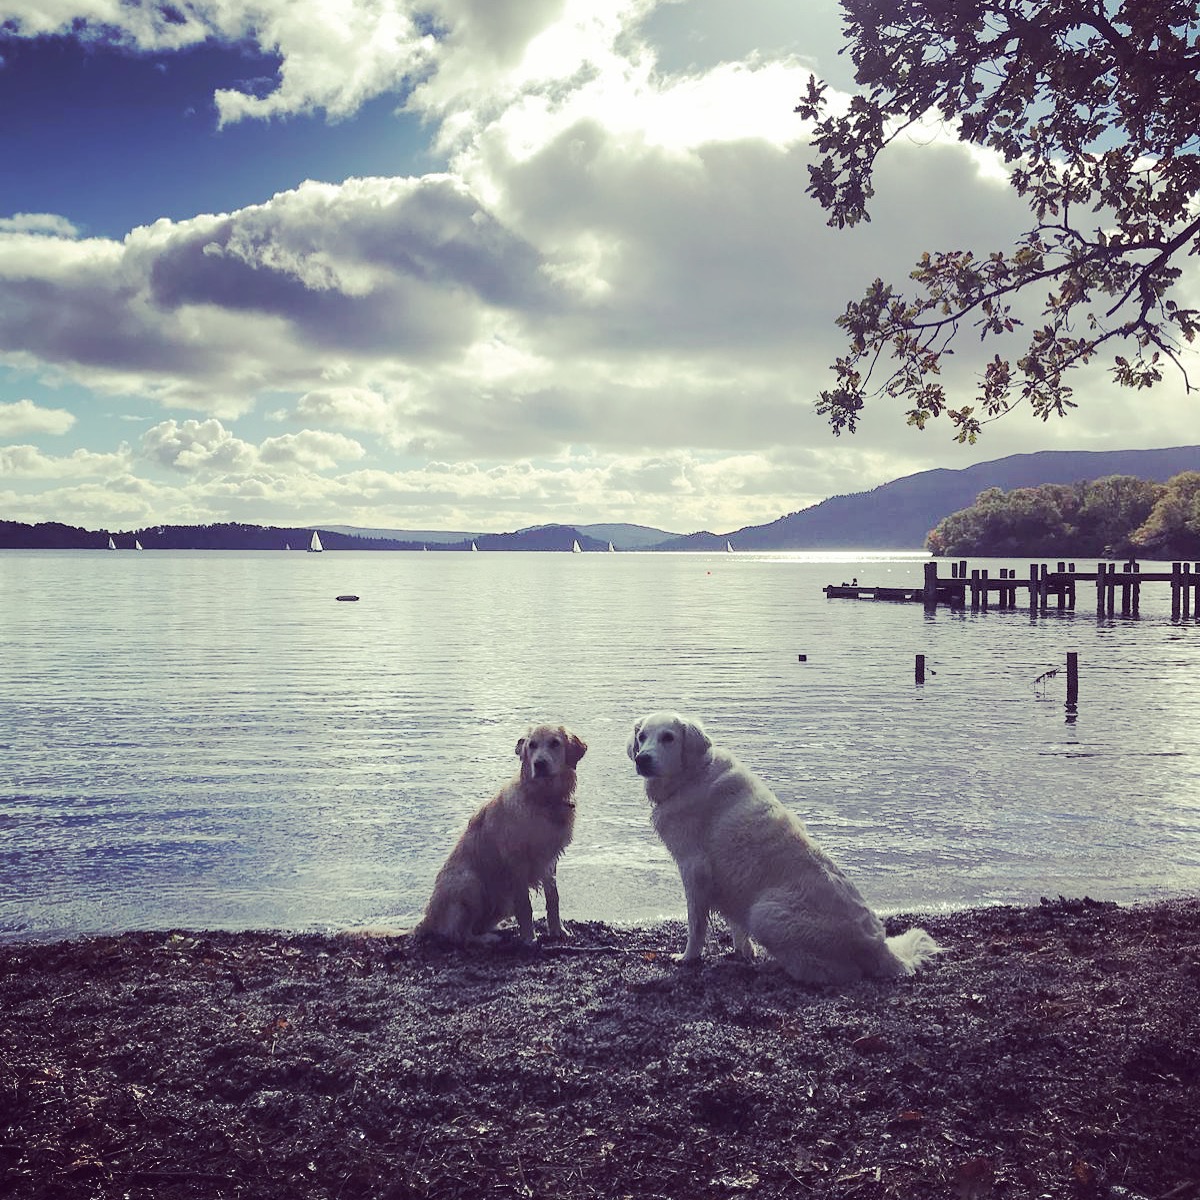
[
  {"x": 541, "y": 766},
  {"x": 643, "y": 763}
]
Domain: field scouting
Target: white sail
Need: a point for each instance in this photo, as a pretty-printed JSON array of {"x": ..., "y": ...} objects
[
  {"x": 315, "y": 547},
  {"x": 474, "y": 547},
  {"x": 575, "y": 547},
  {"x": 111, "y": 544},
  {"x": 728, "y": 547},
  {"x": 611, "y": 548},
  {"x": 138, "y": 545}
]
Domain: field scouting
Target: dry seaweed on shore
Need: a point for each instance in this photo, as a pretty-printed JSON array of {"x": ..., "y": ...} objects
[{"x": 1053, "y": 1051}]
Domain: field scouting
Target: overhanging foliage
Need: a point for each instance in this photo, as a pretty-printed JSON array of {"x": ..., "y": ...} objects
[{"x": 1096, "y": 107}]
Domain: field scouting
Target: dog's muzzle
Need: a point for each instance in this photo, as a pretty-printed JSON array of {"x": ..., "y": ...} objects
[
  {"x": 644, "y": 764},
  {"x": 541, "y": 766}
]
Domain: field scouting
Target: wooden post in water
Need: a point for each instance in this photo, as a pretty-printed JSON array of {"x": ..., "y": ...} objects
[
  {"x": 1072, "y": 678},
  {"x": 1176, "y": 588},
  {"x": 1130, "y": 589},
  {"x": 1061, "y": 589},
  {"x": 1187, "y": 590},
  {"x": 929, "y": 594},
  {"x": 983, "y": 589},
  {"x": 1101, "y": 573},
  {"x": 920, "y": 669},
  {"x": 1033, "y": 589}
]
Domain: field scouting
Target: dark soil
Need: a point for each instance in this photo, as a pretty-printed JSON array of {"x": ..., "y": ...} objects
[{"x": 1051, "y": 1052}]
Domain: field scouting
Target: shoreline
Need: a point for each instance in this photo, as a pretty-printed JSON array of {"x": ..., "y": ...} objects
[{"x": 1054, "y": 1049}]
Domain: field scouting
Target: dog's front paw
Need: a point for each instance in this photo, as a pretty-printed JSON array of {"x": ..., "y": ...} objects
[
  {"x": 686, "y": 959},
  {"x": 558, "y": 934}
]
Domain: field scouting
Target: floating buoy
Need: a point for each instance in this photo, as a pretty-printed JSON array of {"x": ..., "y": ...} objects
[
  {"x": 347, "y": 597},
  {"x": 802, "y": 657}
]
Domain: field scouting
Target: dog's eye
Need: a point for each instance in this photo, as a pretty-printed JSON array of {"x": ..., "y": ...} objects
[
  {"x": 555, "y": 743},
  {"x": 532, "y": 744},
  {"x": 667, "y": 738}
]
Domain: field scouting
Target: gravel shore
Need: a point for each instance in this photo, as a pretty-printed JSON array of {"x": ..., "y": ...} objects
[{"x": 1052, "y": 1051}]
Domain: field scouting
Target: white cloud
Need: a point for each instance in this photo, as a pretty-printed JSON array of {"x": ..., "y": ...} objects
[
  {"x": 28, "y": 462},
  {"x": 312, "y": 449},
  {"x": 47, "y": 223},
  {"x": 335, "y": 54},
  {"x": 194, "y": 446},
  {"x": 23, "y": 416}
]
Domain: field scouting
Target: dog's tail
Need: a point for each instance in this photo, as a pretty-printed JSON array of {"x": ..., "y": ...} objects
[{"x": 913, "y": 949}]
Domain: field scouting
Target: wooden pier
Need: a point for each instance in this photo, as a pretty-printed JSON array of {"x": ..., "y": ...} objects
[{"x": 1044, "y": 588}]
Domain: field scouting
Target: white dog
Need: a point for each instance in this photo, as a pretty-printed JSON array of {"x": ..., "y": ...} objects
[
  {"x": 742, "y": 854},
  {"x": 511, "y": 845}
]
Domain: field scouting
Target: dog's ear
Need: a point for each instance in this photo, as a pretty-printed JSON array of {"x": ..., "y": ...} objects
[
  {"x": 632, "y": 748},
  {"x": 696, "y": 742},
  {"x": 520, "y": 750},
  {"x": 576, "y": 747}
]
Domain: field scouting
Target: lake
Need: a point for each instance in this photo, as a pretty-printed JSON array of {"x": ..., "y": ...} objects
[{"x": 210, "y": 739}]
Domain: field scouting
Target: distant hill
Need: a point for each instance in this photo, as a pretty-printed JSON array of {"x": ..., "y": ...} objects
[
  {"x": 898, "y": 515},
  {"x": 419, "y": 537},
  {"x": 622, "y": 536},
  {"x": 540, "y": 537}
]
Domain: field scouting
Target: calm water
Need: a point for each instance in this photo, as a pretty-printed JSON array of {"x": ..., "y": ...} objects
[{"x": 211, "y": 739}]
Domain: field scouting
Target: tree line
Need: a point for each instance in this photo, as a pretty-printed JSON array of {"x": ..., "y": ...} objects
[
  {"x": 52, "y": 535},
  {"x": 1119, "y": 516}
]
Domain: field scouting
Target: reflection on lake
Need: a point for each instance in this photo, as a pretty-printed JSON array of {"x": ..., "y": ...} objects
[{"x": 210, "y": 739}]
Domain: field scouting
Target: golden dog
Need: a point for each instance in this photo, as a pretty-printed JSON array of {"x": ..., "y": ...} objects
[
  {"x": 741, "y": 853},
  {"x": 511, "y": 846}
]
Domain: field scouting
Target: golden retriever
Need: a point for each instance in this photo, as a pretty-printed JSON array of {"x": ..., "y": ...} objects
[
  {"x": 742, "y": 854},
  {"x": 510, "y": 846}
]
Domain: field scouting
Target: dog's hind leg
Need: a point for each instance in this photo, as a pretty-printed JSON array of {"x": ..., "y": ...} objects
[{"x": 742, "y": 946}]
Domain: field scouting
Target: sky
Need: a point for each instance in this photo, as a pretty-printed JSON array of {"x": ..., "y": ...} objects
[{"x": 465, "y": 265}]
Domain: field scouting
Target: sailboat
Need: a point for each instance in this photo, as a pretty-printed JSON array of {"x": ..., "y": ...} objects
[
  {"x": 611, "y": 548},
  {"x": 575, "y": 547},
  {"x": 728, "y": 547},
  {"x": 474, "y": 547},
  {"x": 138, "y": 545},
  {"x": 315, "y": 547}
]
